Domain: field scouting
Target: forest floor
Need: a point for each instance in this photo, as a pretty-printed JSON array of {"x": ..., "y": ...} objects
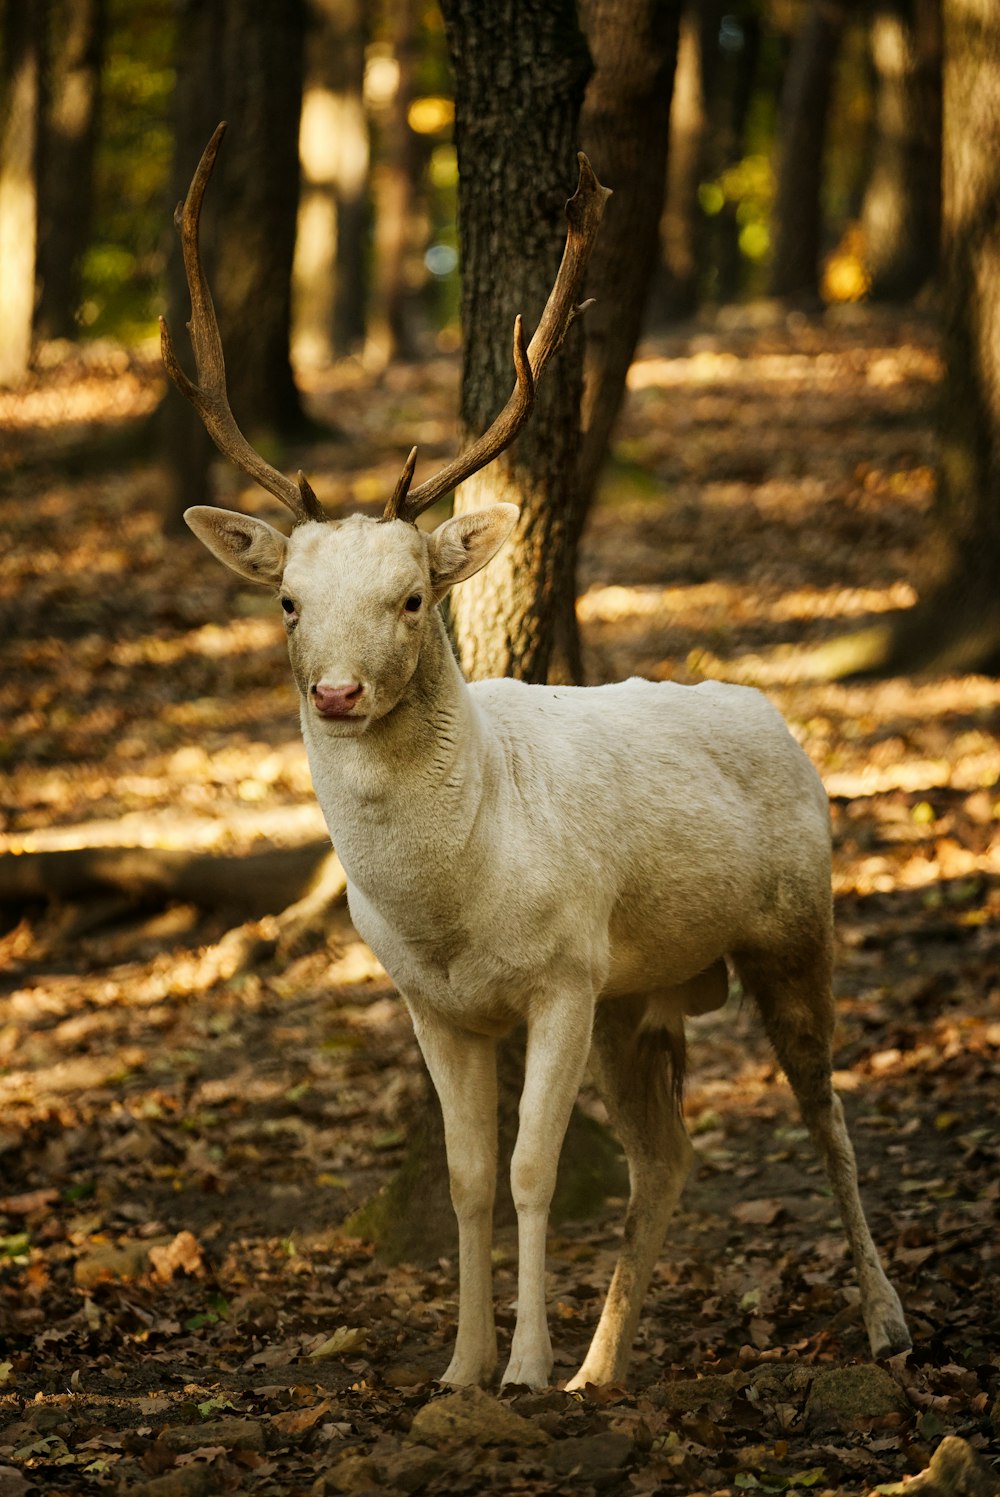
[{"x": 182, "y": 1137}]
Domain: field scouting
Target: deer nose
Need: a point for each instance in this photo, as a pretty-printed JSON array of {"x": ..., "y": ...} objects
[{"x": 336, "y": 701}]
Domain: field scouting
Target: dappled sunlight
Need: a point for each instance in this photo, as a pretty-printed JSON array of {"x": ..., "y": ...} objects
[
  {"x": 701, "y": 602},
  {"x": 881, "y": 368}
]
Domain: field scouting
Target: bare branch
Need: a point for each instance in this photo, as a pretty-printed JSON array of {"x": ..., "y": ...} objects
[
  {"x": 209, "y": 396},
  {"x": 584, "y": 212}
]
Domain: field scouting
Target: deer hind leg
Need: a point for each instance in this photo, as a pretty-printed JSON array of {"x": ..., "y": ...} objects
[
  {"x": 796, "y": 1003},
  {"x": 638, "y": 1073}
]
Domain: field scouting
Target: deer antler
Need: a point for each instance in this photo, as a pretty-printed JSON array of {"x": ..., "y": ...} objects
[
  {"x": 209, "y": 396},
  {"x": 584, "y": 211}
]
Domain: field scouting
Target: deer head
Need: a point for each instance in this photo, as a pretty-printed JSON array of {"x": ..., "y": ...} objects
[{"x": 358, "y": 594}]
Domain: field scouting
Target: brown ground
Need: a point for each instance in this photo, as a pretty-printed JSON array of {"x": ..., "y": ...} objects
[{"x": 179, "y": 1143}]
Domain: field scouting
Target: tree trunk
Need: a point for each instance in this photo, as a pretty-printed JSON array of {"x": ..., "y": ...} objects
[
  {"x": 24, "y": 45},
  {"x": 676, "y": 285},
  {"x": 624, "y": 128},
  {"x": 963, "y": 612},
  {"x": 331, "y": 279},
  {"x": 956, "y": 624},
  {"x": 516, "y": 170},
  {"x": 240, "y": 61},
  {"x": 67, "y": 178},
  {"x": 901, "y": 215},
  {"x": 730, "y": 111},
  {"x": 517, "y": 167},
  {"x": 805, "y": 100},
  {"x": 394, "y": 182}
]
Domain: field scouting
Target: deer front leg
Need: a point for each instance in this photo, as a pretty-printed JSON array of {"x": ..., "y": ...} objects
[
  {"x": 463, "y": 1069},
  {"x": 558, "y": 1045}
]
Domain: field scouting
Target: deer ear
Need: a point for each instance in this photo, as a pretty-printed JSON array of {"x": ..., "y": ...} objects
[
  {"x": 251, "y": 547},
  {"x": 463, "y": 545}
]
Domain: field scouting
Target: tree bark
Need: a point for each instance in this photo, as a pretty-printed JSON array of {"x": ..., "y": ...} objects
[
  {"x": 241, "y": 61},
  {"x": 331, "y": 273},
  {"x": 67, "y": 179},
  {"x": 901, "y": 214},
  {"x": 24, "y": 47},
  {"x": 517, "y": 168},
  {"x": 805, "y": 100}
]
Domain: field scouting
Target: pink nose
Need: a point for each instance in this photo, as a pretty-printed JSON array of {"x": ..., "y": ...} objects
[{"x": 336, "y": 701}]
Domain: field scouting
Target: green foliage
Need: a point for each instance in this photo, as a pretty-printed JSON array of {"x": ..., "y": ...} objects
[{"x": 124, "y": 266}]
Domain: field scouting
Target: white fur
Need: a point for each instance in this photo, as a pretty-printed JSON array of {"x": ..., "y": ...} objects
[{"x": 518, "y": 854}]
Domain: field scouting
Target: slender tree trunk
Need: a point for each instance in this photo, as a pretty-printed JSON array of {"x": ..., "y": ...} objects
[
  {"x": 798, "y": 213},
  {"x": 730, "y": 110},
  {"x": 901, "y": 215},
  {"x": 240, "y": 61},
  {"x": 624, "y": 128},
  {"x": 676, "y": 285},
  {"x": 331, "y": 280},
  {"x": 394, "y": 181},
  {"x": 517, "y": 167},
  {"x": 20, "y": 112},
  {"x": 67, "y": 179},
  {"x": 255, "y": 238}
]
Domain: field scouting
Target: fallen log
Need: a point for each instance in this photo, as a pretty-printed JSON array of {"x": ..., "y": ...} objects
[{"x": 255, "y": 883}]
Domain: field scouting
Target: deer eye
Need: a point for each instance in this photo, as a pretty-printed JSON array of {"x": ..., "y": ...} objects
[
  {"x": 288, "y": 605},
  {"x": 413, "y": 602}
]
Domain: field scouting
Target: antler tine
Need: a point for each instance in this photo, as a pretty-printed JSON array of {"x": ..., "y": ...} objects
[
  {"x": 397, "y": 503},
  {"x": 584, "y": 212},
  {"x": 209, "y": 396}
]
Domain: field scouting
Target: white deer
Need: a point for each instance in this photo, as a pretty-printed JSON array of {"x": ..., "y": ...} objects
[{"x": 580, "y": 861}]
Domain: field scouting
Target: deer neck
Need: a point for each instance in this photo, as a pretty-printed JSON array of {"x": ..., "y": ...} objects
[{"x": 415, "y": 778}]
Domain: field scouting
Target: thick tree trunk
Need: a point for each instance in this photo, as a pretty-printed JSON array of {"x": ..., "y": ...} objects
[
  {"x": 517, "y": 167},
  {"x": 676, "y": 285},
  {"x": 331, "y": 280},
  {"x": 966, "y": 601},
  {"x": 240, "y": 61},
  {"x": 805, "y": 100},
  {"x": 901, "y": 215},
  {"x": 956, "y": 624},
  {"x": 67, "y": 178},
  {"x": 20, "y": 112}
]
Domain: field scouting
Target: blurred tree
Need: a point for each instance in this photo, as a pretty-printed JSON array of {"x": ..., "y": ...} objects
[
  {"x": 66, "y": 184},
  {"x": 675, "y": 288},
  {"x": 901, "y": 215},
  {"x": 241, "y": 61},
  {"x": 737, "y": 81},
  {"x": 798, "y": 218},
  {"x": 331, "y": 248},
  {"x": 395, "y": 178},
  {"x": 956, "y": 624},
  {"x": 20, "y": 113}
]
